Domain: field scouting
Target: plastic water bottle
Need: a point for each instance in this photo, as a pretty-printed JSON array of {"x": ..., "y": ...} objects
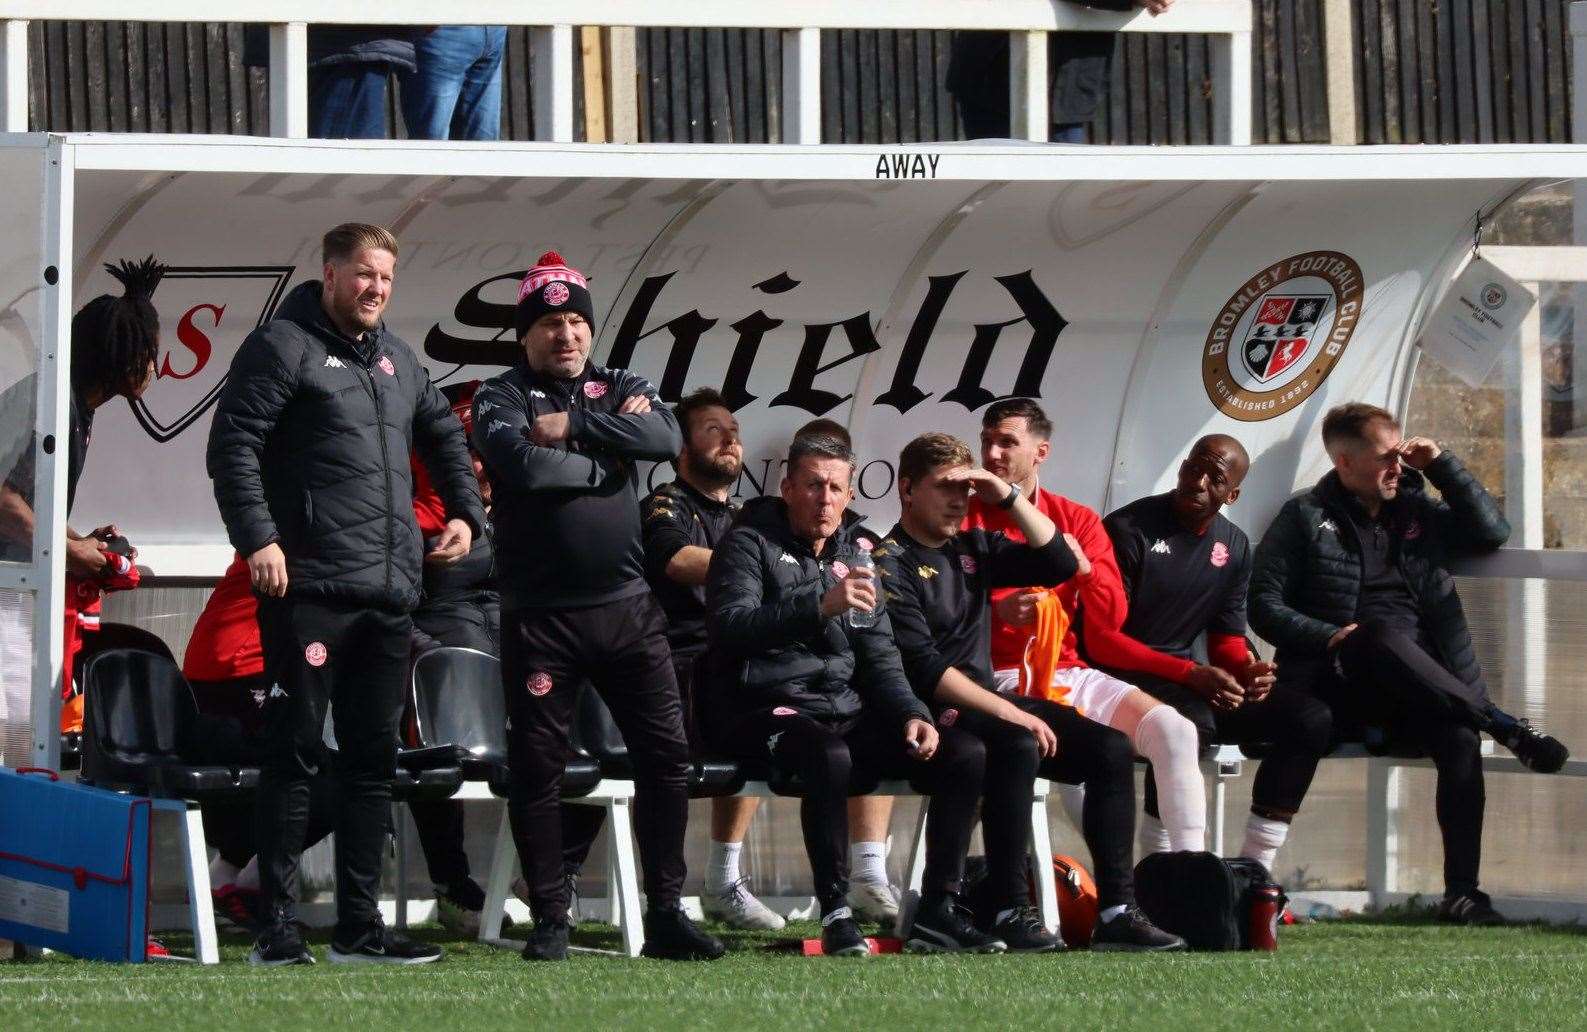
[{"x": 861, "y": 560}]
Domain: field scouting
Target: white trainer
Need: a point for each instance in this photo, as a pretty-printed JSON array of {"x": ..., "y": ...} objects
[
  {"x": 874, "y": 901},
  {"x": 737, "y": 907}
]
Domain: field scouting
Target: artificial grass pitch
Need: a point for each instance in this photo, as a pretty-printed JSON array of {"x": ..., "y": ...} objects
[{"x": 1357, "y": 973}]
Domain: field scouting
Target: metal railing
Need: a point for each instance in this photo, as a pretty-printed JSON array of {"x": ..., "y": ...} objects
[{"x": 800, "y": 22}]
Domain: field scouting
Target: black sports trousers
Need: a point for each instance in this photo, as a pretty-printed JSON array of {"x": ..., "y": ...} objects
[
  {"x": 354, "y": 660},
  {"x": 841, "y": 758},
  {"x": 1297, "y": 726},
  {"x": 620, "y": 648},
  {"x": 1390, "y": 680},
  {"x": 1089, "y": 753}
]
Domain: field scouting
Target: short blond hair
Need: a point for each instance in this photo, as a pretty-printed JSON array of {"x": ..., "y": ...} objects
[{"x": 350, "y": 238}]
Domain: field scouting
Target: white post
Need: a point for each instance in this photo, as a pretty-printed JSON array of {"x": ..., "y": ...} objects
[
  {"x": 51, "y": 425},
  {"x": 915, "y": 872},
  {"x": 1578, "y": 134},
  {"x": 289, "y": 80},
  {"x": 551, "y": 55},
  {"x": 1383, "y": 830},
  {"x": 14, "y": 76},
  {"x": 499, "y": 884},
  {"x": 1526, "y": 649},
  {"x": 801, "y": 86},
  {"x": 1339, "y": 37},
  {"x": 1231, "y": 85},
  {"x": 1027, "y": 86}
]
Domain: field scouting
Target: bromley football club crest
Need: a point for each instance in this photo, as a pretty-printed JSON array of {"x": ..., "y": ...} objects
[
  {"x": 205, "y": 312},
  {"x": 1276, "y": 340}
]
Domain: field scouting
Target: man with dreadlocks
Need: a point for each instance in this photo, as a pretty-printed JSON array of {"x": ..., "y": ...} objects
[{"x": 114, "y": 343}]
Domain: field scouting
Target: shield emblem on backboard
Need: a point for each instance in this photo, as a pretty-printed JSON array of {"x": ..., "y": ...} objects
[
  {"x": 205, "y": 313},
  {"x": 1282, "y": 332}
]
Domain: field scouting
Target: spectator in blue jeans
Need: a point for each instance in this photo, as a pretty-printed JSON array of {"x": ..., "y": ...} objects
[
  {"x": 349, "y": 66},
  {"x": 454, "y": 92}
]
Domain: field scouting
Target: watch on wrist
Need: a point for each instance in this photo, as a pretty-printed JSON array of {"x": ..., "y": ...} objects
[{"x": 1008, "y": 502}]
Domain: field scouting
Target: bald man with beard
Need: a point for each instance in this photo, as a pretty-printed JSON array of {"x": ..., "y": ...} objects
[{"x": 1185, "y": 568}]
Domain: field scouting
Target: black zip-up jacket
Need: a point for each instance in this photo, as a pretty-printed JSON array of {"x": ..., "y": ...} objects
[
  {"x": 309, "y": 448},
  {"x": 1306, "y": 580},
  {"x": 769, "y": 644},
  {"x": 567, "y": 517}
]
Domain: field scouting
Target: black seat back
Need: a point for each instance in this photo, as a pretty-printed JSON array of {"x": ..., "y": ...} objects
[
  {"x": 457, "y": 701},
  {"x": 117, "y": 636},
  {"x": 594, "y": 732},
  {"x": 137, "y": 710}
]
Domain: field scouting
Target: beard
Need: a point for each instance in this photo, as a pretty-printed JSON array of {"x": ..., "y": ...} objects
[{"x": 720, "y": 471}]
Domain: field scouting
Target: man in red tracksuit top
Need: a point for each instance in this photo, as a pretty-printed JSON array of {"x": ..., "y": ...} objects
[{"x": 1014, "y": 443}]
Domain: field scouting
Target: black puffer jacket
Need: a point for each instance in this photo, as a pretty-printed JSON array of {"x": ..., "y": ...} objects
[
  {"x": 309, "y": 448},
  {"x": 769, "y": 644},
  {"x": 1306, "y": 581}
]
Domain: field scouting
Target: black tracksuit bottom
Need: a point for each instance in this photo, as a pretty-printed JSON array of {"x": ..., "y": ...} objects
[
  {"x": 1298, "y": 727},
  {"x": 1384, "y": 676},
  {"x": 352, "y": 660},
  {"x": 836, "y": 759},
  {"x": 1089, "y": 753},
  {"x": 620, "y": 648}
]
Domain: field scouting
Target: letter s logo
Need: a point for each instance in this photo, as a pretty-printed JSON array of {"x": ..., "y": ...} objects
[{"x": 194, "y": 339}]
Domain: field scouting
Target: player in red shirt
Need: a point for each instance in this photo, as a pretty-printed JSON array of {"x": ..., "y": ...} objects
[{"x": 1014, "y": 444}]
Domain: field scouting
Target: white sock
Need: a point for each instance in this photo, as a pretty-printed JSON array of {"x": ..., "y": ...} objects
[
  {"x": 248, "y": 877},
  {"x": 868, "y": 862},
  {"x": 1073, "y": 798},
  {"x": 1151, "y": 837},
  {"x": 221, "y": 874},
  {"x": 721, "y": 868},
  {"x": 1169, "y": 741},
  {"x": 1264, "y": 837},
  {"x": 1110, "y": 913}
]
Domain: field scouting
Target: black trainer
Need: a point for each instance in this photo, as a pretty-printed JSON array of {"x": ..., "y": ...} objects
[
  {"x": 278, "y": 945},
  {"x": 670, "y": 935},
  {"x": 1130, "y": 931},
  {"x": 381, "y": 945},
  {"x": 943, "y": 925},
  {"x": 1024, "y": 932},
  {"x": 1536, "y": 751},
  {"x": 547, "y": 941},
  {"x": 1469, "y": 908},
  {"x": 841, "y": 935}
]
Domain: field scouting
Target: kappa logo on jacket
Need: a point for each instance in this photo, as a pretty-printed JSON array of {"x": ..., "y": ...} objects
[
  {"x": 1161, "y": 547},
  {"x": 786, "y": 558},
  {"x": 535, "y": 392},
  {"x": 498, "y": 424},
  {"x": 1329, "y": 526},
  {"x": 332, "y": 362}
]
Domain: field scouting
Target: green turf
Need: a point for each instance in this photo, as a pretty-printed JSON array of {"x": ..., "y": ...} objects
[{"x": 1383, "y": 974}]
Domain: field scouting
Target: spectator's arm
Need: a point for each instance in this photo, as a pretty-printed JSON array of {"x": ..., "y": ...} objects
[{"x": 438, "y": 438}]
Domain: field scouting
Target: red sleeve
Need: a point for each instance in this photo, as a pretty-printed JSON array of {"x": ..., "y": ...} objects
[
  {"x": 1228, "y": 651},
  {"x": 1102, "y": 591},
  {"x": 1108, "y": 647},
  {"x": 428, "y": 508},
  {"x": 225, "y": 641}
]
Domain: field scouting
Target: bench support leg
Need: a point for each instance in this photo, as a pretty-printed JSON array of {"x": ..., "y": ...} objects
[
  {"x": 915, "y": 875},
  {"x": 200, "y": 906},
  {"x": 500, "y": 881},
  {"x": 1041, "y": 860},
  {"x": 1383, "y": 830},
  {"x": 620, "y": 819}
]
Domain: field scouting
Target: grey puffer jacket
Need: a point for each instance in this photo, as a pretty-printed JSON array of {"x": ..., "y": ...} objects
[
  {"x": 309, "y": 448},
  {"x": 1307, "y": 575}
]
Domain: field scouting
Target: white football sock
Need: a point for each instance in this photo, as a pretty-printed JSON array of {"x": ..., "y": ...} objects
[
  {"x": 1169, "y": 741},
  {"x": 1110, "y": 913},
  {"x": 868, "y": 862},
  {"x": 221, "y": 874},
  {"x": 721, "y": 867},
  {"x": 1151, "y": 837},
  {"x": 1264, "y": 837},
  {"x": 248, "y": 877},
  {"x": 1073, "y": 798}
]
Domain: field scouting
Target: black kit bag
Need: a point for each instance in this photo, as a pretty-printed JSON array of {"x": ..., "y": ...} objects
[{"x": 1207, "y": 900}]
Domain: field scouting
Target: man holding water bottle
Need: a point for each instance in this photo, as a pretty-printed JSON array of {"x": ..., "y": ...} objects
[{"x": 810, "y": 679}]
